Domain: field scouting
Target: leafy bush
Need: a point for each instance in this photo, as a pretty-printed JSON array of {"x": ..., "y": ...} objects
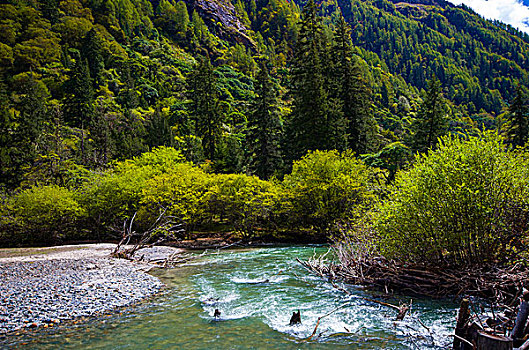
[
  {"x": 184, "y": 192},
  {"x": 246, "y": 201},
  {"x": 465, "y": 203},
  {"x": 42, "y": 215},
  {"x": 115, "y": 195},
  {"x": 326, "y": 186}
]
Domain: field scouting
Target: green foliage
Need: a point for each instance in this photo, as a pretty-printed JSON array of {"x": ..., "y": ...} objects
[
  {"x": 111, "y": 197},
  {"x": 517, "y": 126},
  {"x": 325, "y": 187},
  {"x": 464, "y": 203},
  {"x": 205, "y": 106},
  {"x": 41, "y": 215},
  {"x": 431, "y": 121},
  {"x": 265, "y": 128}
]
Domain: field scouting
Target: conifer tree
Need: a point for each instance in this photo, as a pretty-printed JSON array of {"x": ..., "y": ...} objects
[
  {"x": 352, "y": 89},
  {"x": 265, "y": 127},
  {"x": 182, "y": 17},
  {"x": 79, "y": 108},
  {"x": 517, "y": 131},
  {"x": 307, "y": 128},
  {"x": 25, "y": 129},
  {"x": 431, "y": 122},
  {"x": 91, "y": 52},
  {"x": 205, "y": 105},
  {"x": 79, "y": 103}
]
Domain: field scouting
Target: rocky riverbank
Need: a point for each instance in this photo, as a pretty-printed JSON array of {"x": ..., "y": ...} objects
[{"x": 47, "y": 287}]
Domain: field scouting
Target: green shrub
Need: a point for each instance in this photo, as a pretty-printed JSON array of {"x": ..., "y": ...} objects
[
  {"x": 465, "y": 203},
  {"x": 113, "y": 196},
  {"x": 184, "y": 192},
  {"x": 246, "y": 201},
  {"x": 326, "y": 186},
  {"x": 42, "y": 215}
]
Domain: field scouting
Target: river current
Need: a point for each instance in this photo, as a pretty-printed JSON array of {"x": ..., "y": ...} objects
[{"x": 256, "y": 290}]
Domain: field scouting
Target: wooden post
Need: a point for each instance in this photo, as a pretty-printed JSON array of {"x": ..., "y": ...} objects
[
  {"x": 521, "y": 319},
  {"x": 493, "y": 342},
  {"x": 462, "y": 320}
]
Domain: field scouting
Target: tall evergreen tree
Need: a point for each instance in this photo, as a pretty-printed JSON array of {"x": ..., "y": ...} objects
[
  {"x": 431, "y": 122},
  {"x": 91, "y": 52},
  {"x": 79, "y": 102},
  {"x": 205, "y": 105},
  {"x": 265, "y": 127},
  {"x": 352, "y": 89},
  {"x": 307, "y": 128},
  {"x": 182, "y": 17},
  {"x": 517, "y": 131},
  {"x": 22, "y": 142}
]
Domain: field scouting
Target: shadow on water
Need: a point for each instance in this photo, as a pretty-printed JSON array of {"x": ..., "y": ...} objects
[{"x": 256, "y": 291}]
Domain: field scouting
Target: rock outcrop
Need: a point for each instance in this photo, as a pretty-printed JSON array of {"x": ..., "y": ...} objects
[{"x": 221, "y": 18}]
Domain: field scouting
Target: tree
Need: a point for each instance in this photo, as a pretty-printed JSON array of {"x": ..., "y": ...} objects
[
  {"x": 91, "y": 52},
  {"x": 265, "y": 127},
  {"x": 431, "y": 121},
  {"x": 25, "y": 129},
  {"x": 205, "y": 105},
  {"x": 182, "y": 17},
  {"x": 517, "y": 131},
  {"x": 352, "y": 90},
  {"x": 79, "y": 102},
  {"x": 307, "y": 128}
]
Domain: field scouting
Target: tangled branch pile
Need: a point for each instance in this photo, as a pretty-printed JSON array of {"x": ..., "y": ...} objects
[{"x": 500, "y": 285}]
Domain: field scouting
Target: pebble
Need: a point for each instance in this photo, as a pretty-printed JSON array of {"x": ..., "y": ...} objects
[{"x": 47, "y": 292}]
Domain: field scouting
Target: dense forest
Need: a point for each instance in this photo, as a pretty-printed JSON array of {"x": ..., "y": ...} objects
[{"x": 269, "y": 115}]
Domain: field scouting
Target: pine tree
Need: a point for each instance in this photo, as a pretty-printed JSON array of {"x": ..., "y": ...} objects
[
  {"x": 182, "y": 18},
  {"x": 517, "y": 131},
  {"x": 431, "y": 122},
  {"x": 265, "y": 127},
  {"x": 205, "y": 105},
  {"x": 352, "y": 89},
  {"x": 91, "y": 52},
  {"x": 24, "y": 129},
  {"x": 79, "y": 103},
  {"x": 307, "y": 128}
]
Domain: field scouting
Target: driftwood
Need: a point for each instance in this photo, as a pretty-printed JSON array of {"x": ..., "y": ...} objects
[
  {"x": 521, "y": 319},
  {"x": 501, "y": 285},
  {"x": 461, "y": 326},
  {"x": 164, "y": 228},
  {"x": 295, "y": 319},
  {"x": 322, "y": 317},
  {"x": 487, "y": 341}
]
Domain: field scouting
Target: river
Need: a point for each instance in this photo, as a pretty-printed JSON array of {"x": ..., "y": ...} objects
[{"x": 255, "y": 315}]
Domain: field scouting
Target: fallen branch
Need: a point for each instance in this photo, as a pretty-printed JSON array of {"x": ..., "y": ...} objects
[{"x": 322, "y": 317}]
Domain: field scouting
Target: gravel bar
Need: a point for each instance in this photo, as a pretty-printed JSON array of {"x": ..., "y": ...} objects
[{"x": 44, "y": 292}]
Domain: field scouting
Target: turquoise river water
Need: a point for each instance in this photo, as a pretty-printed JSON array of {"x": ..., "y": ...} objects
[{"x": 255, "y": 315}]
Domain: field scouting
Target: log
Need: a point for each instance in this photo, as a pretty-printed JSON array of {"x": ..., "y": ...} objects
[
  {"x": 461, "y": 325},
  {"x": 521, "y": 319},
  {"x": 525, "y": 346},
  {"x": 487, "y": 341}
]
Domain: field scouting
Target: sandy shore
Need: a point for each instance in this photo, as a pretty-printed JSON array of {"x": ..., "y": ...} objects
[{"x": 45, "y": 286}]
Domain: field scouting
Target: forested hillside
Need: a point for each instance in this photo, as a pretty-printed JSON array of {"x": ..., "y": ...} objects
[
  {"x": 86, "y": 82},
  {"x": 246, "y": 86}
]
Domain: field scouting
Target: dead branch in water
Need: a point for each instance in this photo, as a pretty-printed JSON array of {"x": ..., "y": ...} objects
[
  {"x": 502, "y": 285},
  {"x": 164, "y": 228},
  {"x": 322, "y": 317}
]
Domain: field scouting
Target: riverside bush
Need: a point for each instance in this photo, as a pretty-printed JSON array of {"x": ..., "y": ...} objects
[
  {"x": 326, "y": 186},
  {"x": 41, "y": 214},
  {"x": 465, "y": 203}
]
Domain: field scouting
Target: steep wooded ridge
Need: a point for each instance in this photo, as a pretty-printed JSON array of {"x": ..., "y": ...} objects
[{"x": 85, "y": 82}]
